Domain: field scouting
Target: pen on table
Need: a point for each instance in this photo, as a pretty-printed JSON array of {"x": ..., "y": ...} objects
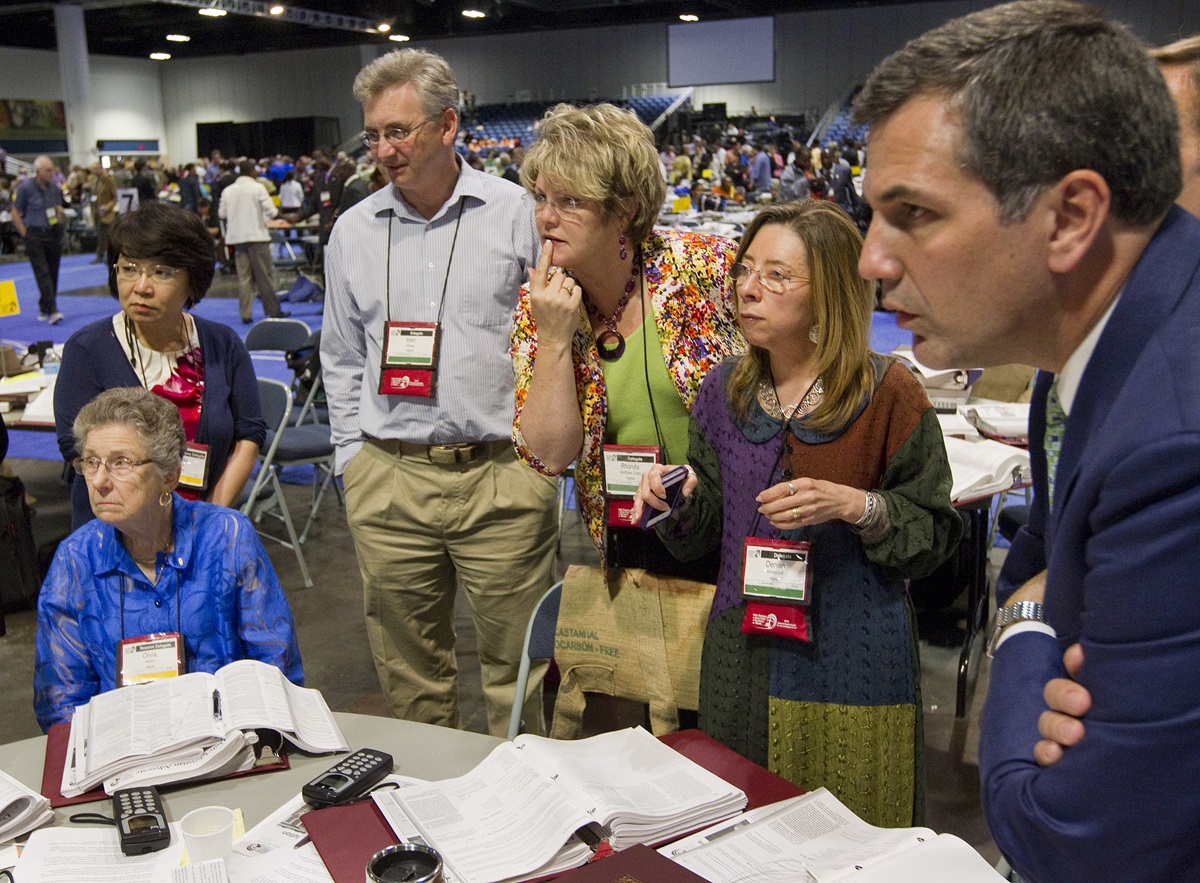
[
  {"x": 216, "y": 705},
  {"x": 307, "y": 838}
]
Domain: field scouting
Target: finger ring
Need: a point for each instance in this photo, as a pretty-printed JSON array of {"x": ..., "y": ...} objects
[
  {"x": 791, "y": 488},
  {"x": 796, "y": 514}
]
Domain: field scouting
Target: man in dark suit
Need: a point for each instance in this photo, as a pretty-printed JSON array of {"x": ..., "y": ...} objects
[{"x": 1059, "y": 247}]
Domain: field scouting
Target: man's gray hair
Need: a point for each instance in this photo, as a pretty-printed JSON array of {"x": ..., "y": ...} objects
[
  {"x": 427, "y": 71},
  {"x": 1043, "y": 87},
  {"x": 156, "y": 421}
]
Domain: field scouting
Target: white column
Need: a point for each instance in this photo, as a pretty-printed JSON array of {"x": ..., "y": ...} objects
[{"x": 76, "y": 76}]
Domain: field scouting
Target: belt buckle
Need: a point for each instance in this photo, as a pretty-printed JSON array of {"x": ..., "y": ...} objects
[{"x": 451, "y": 455}]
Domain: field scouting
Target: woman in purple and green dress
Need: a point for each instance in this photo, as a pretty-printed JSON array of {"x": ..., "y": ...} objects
[{"x": 818, "y": 469}]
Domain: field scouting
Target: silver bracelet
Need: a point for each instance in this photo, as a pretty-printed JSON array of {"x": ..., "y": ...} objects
[{"x": 868, "y": 511}]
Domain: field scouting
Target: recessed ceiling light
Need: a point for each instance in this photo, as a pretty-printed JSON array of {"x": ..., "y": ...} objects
[
  {"x": 213, "y": 12},
  {"x": 160, "y": 56},
  {"x": 688, "y": 17},
  {"x": 474, "y": 13},
  {"x": 399, "y": 38},
  {"x": 276, "y": 10},
  {"x": 178, "y": 38},
  {"x": 383, "y": 27}
]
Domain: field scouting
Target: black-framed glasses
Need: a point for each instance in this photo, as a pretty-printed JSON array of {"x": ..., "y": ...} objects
[
  {"x": 393, "y": 135},
  {"x": 131, "y": 272},
  {"x": 565, "y": 207},
  {"x": 119, "y": 468},
  {"x": 774, "y": 281}
]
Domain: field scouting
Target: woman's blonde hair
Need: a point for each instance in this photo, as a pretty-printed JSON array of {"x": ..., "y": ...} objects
[
  {"x": 842, "y": 302},
  {"x": 603, "y": 154}
]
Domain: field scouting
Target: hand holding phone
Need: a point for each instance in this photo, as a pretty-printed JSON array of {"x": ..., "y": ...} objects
[{"x": 672, "y": 481}]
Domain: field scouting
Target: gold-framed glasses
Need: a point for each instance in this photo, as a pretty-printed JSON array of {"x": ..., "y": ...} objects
[
  {"x": 128, "y": 271},
  {"x": 393, "y": 135},
  {"x": 564, "y": 207},
  {"x": 119, "y": 468},
  {"x": 774, "y": 281}
]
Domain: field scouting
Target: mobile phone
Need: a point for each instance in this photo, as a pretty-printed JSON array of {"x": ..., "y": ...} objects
[
  {"x": 348, "y": 779},
  {"x": 672, "y": 480},
  {"x": 141, "y": 823}
]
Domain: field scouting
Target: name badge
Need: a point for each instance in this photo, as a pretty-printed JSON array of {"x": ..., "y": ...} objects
[
  {"x": 52, "y": 215},
  {"x": 326, "y": 198},
  {"x": 624, "y": 466},
  {"x": 409, "y": 359},
  {"x": 775, "y": 570},
  {"x": 149, "y": 658},
  {"x": 195, "y": 466}
]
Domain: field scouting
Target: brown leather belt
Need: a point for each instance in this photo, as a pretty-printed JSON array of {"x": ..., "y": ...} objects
[{"x": 444, "y": 455}]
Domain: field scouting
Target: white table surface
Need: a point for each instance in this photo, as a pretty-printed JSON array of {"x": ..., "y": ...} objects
[{"x": 419, "y": 750}]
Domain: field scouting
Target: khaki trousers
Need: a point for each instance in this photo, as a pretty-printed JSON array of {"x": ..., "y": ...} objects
[
  {"x": 421, "y": 529},
  {"x": 255, "y": 269}
]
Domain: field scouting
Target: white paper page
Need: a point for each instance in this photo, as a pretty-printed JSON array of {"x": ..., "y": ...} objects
[
  {"x": 405, "y": 830},
  {"x": 726, "y": 828},
  {"x": 627, "y": 771},
  {"x": 316, "y": 729},
  {"x": 205, "y": 872},
  {"x": 8, "y": 855},
  {"x": 944, "y": 859},
  {"x": 503, "y": 819},
  {"x": 253, "y": 695},
  {"x": 231, "y": 754},
  {"x": 91, "y": 855},
  {"x": 984, "y": 465},
  {"x": 301, "y": 865},
  {"x": 148, "y": 718},
  {"x": 21, "y": 809},
  {"x": 818, "y": 839}
]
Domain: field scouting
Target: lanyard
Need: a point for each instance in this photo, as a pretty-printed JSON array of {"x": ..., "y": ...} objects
[
  {"x": 784, "y": 448},
  {"x": 445, "y": 282}
]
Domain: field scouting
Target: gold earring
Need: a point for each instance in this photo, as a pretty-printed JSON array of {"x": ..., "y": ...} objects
[{"x": 164, "y": 499}]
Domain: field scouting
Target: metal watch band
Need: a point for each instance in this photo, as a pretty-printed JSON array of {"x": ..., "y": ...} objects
[{"x": 1022, "y": 611}]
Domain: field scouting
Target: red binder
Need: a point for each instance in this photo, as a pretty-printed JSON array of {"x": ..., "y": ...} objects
[
  {"x": 56, "y": 759},
  {"x": 347, "y": 836}
]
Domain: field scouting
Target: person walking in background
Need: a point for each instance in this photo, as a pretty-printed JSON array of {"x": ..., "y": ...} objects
[
  {"x": 38, "y": 216},
  {"x": 105, "y": 193},
  {"x": 245, "y": 208}
]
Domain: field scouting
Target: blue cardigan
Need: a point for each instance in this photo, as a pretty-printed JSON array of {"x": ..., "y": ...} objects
[{"x": 94, "y": 361}]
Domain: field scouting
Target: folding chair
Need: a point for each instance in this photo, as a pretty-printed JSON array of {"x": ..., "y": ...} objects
[
  {"x": 281, "y": 335},
  {"x": 539, "y": 644},
  {"x": 288, "y": 446}
]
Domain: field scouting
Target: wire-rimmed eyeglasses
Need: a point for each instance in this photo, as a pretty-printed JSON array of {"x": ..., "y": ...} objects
[
  {"x": 119, "y": 468},
  {"x": 130, "y": 272},
  {"x": 393, "y": 135},
  {"x": 774, "y": 281}
]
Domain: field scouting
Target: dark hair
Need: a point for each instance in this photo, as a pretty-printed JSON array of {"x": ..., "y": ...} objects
[
  {"x": 247, "y": 168},
  {"x": 1043, "y": 87},
  {"x": 164, "y": 232}
]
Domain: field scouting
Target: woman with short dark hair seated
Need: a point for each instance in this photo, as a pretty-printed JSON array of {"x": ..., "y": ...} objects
[
  {"x": 160, "y": 263},
  {"x": 151, "y": 564}
]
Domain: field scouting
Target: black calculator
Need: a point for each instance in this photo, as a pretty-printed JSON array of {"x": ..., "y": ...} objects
[{"x": 348, "y": 779}]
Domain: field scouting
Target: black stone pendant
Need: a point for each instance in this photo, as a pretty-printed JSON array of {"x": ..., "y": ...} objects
[{"x": 611, "y": 345}]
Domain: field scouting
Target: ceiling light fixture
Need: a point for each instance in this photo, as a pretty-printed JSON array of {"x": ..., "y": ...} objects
[
  {"x": 689, "y": 17},
  {"x": 471, "y": 12},
  {"x": 383, "y": 27},
  {"x": 160, "y": 56},
  {"x": 276, "y": 10},
  {"x": 399, "y": 38},
  {"x": 178, "y": 38},
  {"x": 212, "y": 12}
]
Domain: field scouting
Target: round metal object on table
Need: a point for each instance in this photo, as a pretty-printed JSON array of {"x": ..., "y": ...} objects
[{"x": 405, "y": 863}]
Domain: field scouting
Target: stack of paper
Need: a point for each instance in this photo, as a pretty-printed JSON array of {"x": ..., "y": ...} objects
[
  {"x": 983, "y": 467},
  {"x": 1007, "y": 421},
  {"x": 515, "y": 816},
  {"x": 948, "y": 388},
  {"x": 21, "y": 809},
  {"x": 197, "y": 726}
]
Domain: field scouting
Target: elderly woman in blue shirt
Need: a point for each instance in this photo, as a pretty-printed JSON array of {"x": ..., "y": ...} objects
[{"x": 150, "y": 563}]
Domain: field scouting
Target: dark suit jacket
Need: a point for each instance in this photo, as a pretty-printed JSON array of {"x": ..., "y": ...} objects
[{"x": 1123, "y": 554}]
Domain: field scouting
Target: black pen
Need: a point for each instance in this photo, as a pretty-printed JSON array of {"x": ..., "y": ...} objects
[
  {"x": 305, "y": 839},
  {"x": 216, "y": 705}
]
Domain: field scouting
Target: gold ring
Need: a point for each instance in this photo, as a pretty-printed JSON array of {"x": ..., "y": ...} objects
[{"x": 796, "y": 514}]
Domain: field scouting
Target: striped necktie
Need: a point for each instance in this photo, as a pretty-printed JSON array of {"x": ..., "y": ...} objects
[{"x": 1056, "y": 426}]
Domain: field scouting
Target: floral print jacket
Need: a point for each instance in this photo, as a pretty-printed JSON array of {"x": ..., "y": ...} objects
[{"x": 696, "y": 312}]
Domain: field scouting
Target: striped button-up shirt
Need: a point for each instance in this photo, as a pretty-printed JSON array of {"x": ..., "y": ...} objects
[{"x": 496, "y": 244}]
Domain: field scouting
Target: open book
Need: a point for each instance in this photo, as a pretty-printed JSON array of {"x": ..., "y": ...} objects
[
  {"x": 983, "y": 467},
  {"x": 815, "y": 838},
  {"x": 196, "y": 726},
  {"x": 936, "y": 378},
  {"x": 515, "y": 816},
  {"x": 1008, "y": 422},
  {"x": 21, "y": 809}
]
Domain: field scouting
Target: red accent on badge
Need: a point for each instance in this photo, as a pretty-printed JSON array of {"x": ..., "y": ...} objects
[
  {"x": 406, "y": 382},
  {"x": 779, "y": 620}
]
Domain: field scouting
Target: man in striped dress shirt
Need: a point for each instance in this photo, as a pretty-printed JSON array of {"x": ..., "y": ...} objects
[{"x": 435, "y": 496}]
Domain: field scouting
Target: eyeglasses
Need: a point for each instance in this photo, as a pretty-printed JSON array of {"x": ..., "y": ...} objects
[
  {"x": 393, "y": 135},
  {"x": 157, "y": 273},
  {"x": 772, "y": 280},
  {"x": 119, "y": 468},
  {"x": 567, "y": 207}
]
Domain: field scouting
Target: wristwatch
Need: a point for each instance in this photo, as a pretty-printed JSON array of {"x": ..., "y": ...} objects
[{"x": 1021, "y": 611}]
